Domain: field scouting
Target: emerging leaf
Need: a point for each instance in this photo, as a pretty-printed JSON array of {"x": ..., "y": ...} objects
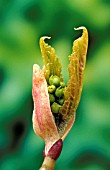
[
  {"x": 76, "y": 72},
  {"x": 43, "y": 121},
  {"x": 52, "y": 64}
]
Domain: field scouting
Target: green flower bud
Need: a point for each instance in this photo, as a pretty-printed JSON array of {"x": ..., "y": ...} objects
[
  {"x": 54, "y": 80},
  {"x": 61, "y": 101},
  {"x": 51, "y": 88},
  {"x": 59, "y": 92},
  {"x": 55, "y": 107},
  {"x": 52, "y": 98},
  {"x": 62, "y": 84}
]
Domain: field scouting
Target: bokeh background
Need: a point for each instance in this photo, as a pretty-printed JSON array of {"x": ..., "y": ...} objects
[{"x": 22, "y": 23}]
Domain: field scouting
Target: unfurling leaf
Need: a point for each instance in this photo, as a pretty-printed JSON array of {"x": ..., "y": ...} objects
[
  {"x": 52, "y": 64},
  {"x": 76, "y": 72}
]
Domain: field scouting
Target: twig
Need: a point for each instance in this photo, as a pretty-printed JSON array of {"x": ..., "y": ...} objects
[{"x": 48, "y": 164}]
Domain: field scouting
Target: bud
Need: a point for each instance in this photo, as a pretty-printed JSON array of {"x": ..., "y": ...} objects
[
  {"x": 59, "y": 92},
  {"x": 44, "y": 94},
  {"x": 51, "y": 98},
  {"x": 51, "y": 88},
  {"x": 62, "y": 84},
  {"x": 54, "y": 80},
  {"x": 55, "y": 150},
  {"x": 61, "y": 101},
  {"x": 55, "y": 107}
]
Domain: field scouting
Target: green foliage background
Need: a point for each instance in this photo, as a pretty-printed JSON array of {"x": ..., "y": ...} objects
[{"x": 22, "y": 23}]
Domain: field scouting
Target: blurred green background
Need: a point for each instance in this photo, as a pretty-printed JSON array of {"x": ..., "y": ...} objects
[{"x": 22, "y": 23}]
